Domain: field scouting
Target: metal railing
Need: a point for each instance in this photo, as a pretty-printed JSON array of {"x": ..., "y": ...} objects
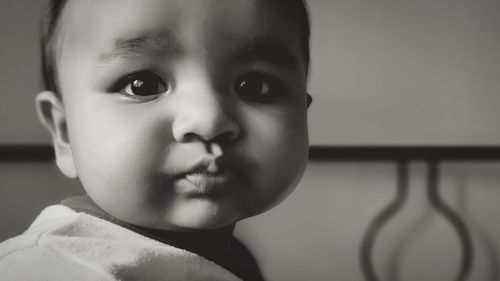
[{"x": 403, "y": 155}]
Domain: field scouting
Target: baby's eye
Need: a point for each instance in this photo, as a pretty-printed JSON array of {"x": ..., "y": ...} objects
[
  {"x": 256, "y": 86},
  {"x": 142, "y": 84}
]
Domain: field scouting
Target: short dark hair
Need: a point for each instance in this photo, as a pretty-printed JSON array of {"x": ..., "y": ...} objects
[
  {"x": 52, "y": 17},
  {"x": 49, "y": 24}
]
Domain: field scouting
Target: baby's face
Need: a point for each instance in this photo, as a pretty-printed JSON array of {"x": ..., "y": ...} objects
[{"x": 183, "y": 113}]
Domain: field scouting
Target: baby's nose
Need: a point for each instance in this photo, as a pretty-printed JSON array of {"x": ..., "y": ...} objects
[{"x": 204, "y": 115}]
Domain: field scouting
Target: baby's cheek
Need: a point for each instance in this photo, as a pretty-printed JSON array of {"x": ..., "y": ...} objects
[
  {"x": 281, "y": 151},
  {"x": 115, "y": 150},
  {"x": 114, "y": 171}
]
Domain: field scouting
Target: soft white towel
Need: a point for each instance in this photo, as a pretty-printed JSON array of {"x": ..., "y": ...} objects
[{"x": 65, "y": 245}]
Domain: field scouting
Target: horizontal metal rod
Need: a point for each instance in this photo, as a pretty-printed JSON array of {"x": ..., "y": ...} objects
[
  {"x": 26, "y": 153},
  {"x": 404, "y": 153},
  {"x": 45, "y": 153}
]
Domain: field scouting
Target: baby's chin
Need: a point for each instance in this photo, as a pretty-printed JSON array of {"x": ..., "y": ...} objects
[
  {"x": 208, "y": 213},
  {"x": 205, "y": 214},
  {"x": 196, "y": 214}
]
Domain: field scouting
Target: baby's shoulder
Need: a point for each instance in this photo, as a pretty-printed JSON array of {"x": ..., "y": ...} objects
[
  {"x": 30, "y": 255},
  {"x": 48, "y": 221}
]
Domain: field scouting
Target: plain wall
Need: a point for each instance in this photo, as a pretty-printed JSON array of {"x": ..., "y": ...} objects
[
  {"x": 383, "y": 72},
  {"x": 405, "y": 72}
]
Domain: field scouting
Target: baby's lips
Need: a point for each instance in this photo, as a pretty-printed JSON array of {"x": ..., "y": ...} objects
[
  {"x": 206, "y": 184},
  {"x": 205, "y": 165}
]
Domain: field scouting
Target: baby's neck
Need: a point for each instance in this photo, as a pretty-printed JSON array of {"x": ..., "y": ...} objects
[{"x": 212, "y": 244}]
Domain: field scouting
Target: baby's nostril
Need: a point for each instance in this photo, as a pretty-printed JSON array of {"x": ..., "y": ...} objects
[
  {"x": 189, "y": 137},
  {"x": 226, "y": 137}
]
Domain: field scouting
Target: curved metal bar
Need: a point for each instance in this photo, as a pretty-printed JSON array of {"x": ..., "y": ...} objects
[
  {"x": 441, "y": 207},
  {"x": 380, "y": 220},
  {"x": 484, "y": 238},
  {"x": 400, "y": 246}
]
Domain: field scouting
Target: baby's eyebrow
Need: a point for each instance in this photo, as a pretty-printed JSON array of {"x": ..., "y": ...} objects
[
  {"x": 265, "y": 49},
  {"x": 153, "y": 44}
]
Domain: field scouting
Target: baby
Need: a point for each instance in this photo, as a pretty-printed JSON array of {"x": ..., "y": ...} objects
[{"x": 179, "y": 118}]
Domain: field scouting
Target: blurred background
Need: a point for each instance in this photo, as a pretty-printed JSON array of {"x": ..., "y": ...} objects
[{"x": 384, "y": 72}]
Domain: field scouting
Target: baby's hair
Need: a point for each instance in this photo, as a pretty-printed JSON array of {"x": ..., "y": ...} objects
[
  {"x": 49, "y": 25},
  {"x": 52, "y": 17}
]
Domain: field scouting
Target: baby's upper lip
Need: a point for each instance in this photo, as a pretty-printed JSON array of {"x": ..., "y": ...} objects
[
  {"x": 206, "y": 165},
  {"x": 207, "y": 176}
]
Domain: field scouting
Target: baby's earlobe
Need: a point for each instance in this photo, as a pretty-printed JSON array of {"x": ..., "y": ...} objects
[{"x": 309, "y": 100}]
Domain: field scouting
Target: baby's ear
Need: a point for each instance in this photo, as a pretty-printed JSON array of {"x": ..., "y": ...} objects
[
  {"x": 51, "y": 113},
  {"x": 309, "y": 100}
]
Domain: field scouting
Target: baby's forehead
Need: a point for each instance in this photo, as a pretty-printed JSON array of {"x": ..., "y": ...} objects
[
  {"x": 177, "y": 13},
  {"x": 119, "y": 28}
]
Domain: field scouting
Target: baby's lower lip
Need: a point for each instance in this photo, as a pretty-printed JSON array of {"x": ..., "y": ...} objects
[{"x": 204, "y": 183}]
